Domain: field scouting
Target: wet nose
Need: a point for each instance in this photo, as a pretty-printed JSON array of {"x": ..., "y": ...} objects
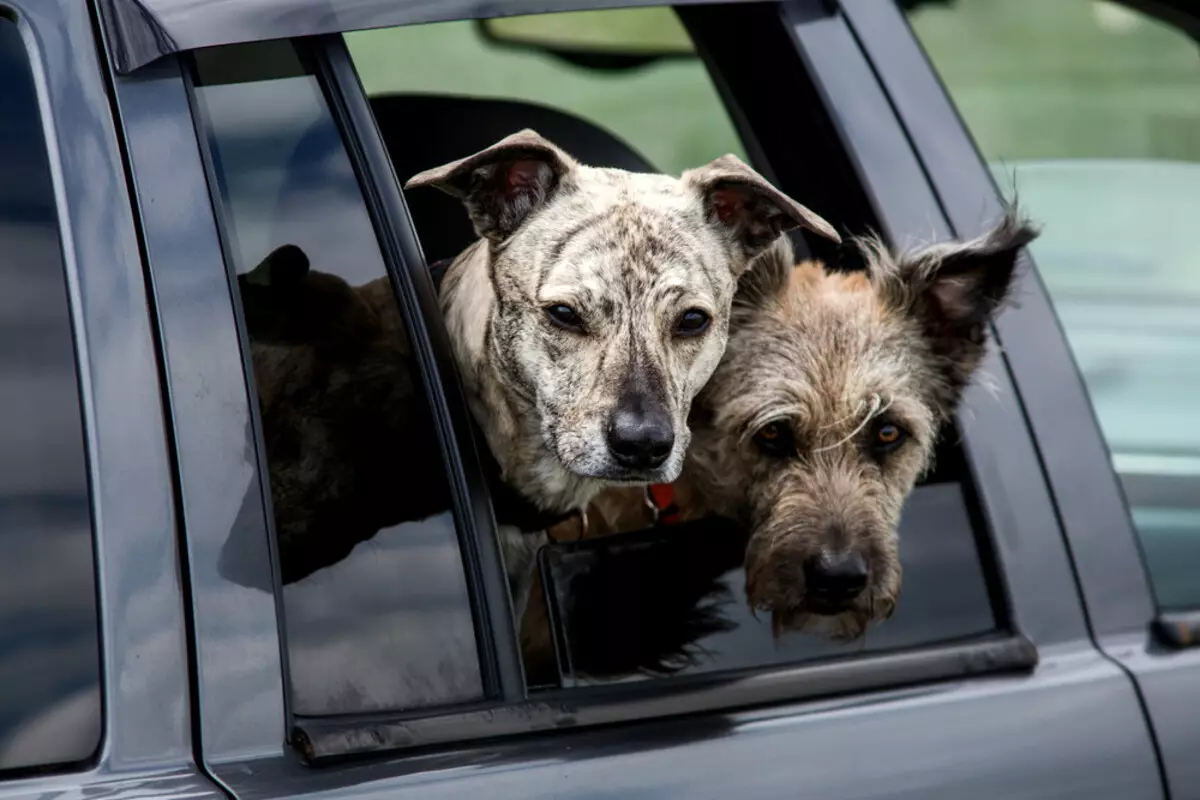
[
  {"x": 835, "y": 578},
  {"x": 640, "y": 434}
]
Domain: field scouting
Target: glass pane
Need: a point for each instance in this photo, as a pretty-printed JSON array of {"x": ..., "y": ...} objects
[
  {"x": 1092, "y": 109},
  {"x": 49, "y": 639},
  {"x": 375, "y": 597}
]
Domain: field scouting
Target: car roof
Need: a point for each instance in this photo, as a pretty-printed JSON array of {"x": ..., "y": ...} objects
[{"x": 141, "y": 31}]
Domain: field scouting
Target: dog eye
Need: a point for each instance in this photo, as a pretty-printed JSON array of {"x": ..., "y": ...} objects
[
  {"x": 888, "y": 437},
  {"x": 775, "y": 439},
  {"x": 692, "y": 322},
  {"x": 564, "y": 317}
]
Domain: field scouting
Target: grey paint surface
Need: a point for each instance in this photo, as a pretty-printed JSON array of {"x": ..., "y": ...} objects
[
  {"x": 1099, "y": 532},
  {"x": 147, "y": 745},
  {"x": 1011, "y": 738}
]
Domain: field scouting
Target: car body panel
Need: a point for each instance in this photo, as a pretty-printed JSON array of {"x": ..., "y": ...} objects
[
  {"x": 893, "y": 744},
  {"x": 1078, "y": 463},
  {"x": 147, "y": 745}
]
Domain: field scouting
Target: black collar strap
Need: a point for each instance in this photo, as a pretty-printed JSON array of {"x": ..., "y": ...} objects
[{"x": 508, "y": 505}]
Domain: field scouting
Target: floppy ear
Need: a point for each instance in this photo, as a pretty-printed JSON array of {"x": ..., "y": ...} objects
[
  {"x": 283, "y": 268},
  {"x": 501, "y": 184},
  {"x": 751, "y": 211}
]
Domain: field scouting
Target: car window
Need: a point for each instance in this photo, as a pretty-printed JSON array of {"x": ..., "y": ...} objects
[
  {"x": 49, "y": 637},
  {"x": 374, "y": 593},
  {"x": 1090, "y": 112},
  {"x": 446, "y": 90}
]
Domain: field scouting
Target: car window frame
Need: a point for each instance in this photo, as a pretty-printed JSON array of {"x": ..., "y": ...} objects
[{"x": 1010, "y": 650}]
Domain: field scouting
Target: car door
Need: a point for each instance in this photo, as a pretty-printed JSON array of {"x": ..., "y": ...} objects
[
  {"x": 986, "y": 683},
  {"x": 94, "y": 686},
  {"x": 1121, "y": 135}
]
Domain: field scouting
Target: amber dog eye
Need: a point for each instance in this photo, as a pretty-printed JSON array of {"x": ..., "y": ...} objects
[
  {"x": 692, "y": 322},
  {"x": 564, "y": 317},
  {"x": 887, "y": 437},
  {"x": 775, "y": 439}
]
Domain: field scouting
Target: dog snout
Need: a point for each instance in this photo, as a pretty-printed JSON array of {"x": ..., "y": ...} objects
[
  {"x": 834, "y": 579},
  {"x": 640, "y": 433}
]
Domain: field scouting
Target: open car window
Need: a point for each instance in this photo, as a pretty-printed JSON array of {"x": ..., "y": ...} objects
[{"x": 381, "y": 611}]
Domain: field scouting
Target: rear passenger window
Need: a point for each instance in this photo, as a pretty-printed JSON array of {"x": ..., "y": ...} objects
[
  {"x": 49, "y": 637},
  {"x": 1093, "y": 108}
]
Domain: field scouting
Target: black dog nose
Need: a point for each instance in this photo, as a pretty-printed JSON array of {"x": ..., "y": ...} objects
[
  {"x": 835, "y": 577},
  {"x": 640, "y": 435}
]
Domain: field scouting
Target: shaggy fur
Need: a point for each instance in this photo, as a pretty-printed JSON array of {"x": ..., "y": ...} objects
[
  {"x": 794, "y": 433},
  {"x": 629, "y": 256}
]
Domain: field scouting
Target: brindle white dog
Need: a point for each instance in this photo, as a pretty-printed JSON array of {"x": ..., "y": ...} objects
[
  {"x": 824, "y": 412},
  {"x": 595, "y": 306}
]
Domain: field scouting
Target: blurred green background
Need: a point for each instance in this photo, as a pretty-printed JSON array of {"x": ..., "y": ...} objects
[{"x": 668, "y": 111}]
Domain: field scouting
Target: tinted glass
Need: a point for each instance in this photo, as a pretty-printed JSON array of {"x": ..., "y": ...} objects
[
  {"x": 1093, "y": 110},
  {"x": 49, "y": 647},
  {"x": 375, "y": 597}
]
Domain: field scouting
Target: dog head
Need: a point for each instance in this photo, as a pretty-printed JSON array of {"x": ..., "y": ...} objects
[
  {"x": 826, "y": 408},
  {"x": 612, "y": 291}
]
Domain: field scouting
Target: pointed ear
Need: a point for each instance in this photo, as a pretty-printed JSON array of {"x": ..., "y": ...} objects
[
  {"x": 768, "y": 274},
  {"x": 954, "y": 288},
  {"x": 501, "y": 184},
  {"x": 963, "y": 284},
  {"x": 283, "y": 268},
  {"x": 748, "y": 209}
]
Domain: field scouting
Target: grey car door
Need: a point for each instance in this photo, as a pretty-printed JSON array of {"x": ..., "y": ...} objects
[
  {"x": 1026, "y": 706},
  {"x": 1116, "y": 196}
]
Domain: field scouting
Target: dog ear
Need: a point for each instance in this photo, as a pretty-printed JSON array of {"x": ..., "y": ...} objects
[
  {"x": 955, "y": 288},
  {"x": 501, "y": 184},
  {"x": 744, "y": 204},
  {"x": 283, "y": 268},
  {"x": 962, "y": 284}
]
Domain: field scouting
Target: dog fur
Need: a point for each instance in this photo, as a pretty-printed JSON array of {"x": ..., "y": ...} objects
[
  {"x": 629, "y": 256},
  {"x": 787, "y": 433}
]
